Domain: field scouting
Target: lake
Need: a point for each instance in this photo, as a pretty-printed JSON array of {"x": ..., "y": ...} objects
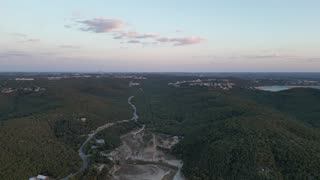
[{"x": 281, "y": 88}]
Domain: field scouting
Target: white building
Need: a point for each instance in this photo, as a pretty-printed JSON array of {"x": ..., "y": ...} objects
[
  {"x": 134, "y": 84},
  {"x": 83, "y": 119},
  {"x": 100, "y": 141},
  {"x": 40, "y": 177},
  {"x": 24, "y": 79}
]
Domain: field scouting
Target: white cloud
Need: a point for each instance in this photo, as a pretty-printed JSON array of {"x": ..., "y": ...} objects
[{"x": 101, "y": 25}]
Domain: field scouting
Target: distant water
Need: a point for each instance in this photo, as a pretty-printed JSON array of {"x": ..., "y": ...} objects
[{"x": 281, "y": 88}]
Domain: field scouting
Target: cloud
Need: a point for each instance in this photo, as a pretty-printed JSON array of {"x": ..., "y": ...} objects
[
  {"x": 10, "y": 54},
  {"x": 101, "y": 25},
  {"x": 18, "y": 35},
  {"x": 182, "y": 41},
  {"x": 104, "y": 25},
  {"x": 134, "y": 42},
  {"x": 164, "y": 39},
  {"x": 69, "y": 46},
  {"x": 118, "y": 37},
  {"x": 156, "y": 37},
  {"x": 19, "y": 54},
  {"x": 23, "y": 38},
  {"x": 269, "y": 56},
  {"x": 31, "y": 40},
  {"x": 130, "y": 34},
  {"x": 145, "y": 36},
  {"x": 134, "y": 35}
]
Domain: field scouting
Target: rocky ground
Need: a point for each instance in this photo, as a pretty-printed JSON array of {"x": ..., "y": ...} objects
[{"x": 142, "y": 156}]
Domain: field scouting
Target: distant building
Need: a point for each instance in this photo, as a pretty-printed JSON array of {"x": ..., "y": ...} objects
[
  {"x": 54, "y": 78},
  {"x": 83, "y": 119},
  {"x": 7, "y": 90},
  {"x": 38, "y": 89},
  {"x": 100, "y": 141},
  {"x": 40, "y": 177},
  {"x": 134, "y": 84},
  {"x": 24, "y": 79}
]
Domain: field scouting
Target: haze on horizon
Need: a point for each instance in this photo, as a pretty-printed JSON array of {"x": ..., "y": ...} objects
[{"x": 166, "y": 35}]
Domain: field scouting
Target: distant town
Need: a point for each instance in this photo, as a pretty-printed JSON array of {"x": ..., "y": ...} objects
[
  {"x": 223, "y": 84},
  {"x": 26, "y": 89}
]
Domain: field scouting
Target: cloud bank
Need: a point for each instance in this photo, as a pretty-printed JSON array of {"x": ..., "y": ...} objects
[
  {"x": 156, "y": 38},
  {"x": 107, "y": 25}
]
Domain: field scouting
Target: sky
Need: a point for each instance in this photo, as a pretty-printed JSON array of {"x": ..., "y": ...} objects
[{"x": 160, "y": 35}]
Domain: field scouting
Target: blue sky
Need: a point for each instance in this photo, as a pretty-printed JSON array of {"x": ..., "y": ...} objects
[{"x": 166, "y": 35}]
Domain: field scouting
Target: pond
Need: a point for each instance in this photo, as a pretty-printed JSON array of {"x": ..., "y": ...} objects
[{"x": 281, "y": 88}]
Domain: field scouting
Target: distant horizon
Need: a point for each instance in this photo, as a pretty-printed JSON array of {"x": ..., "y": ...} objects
[{"x": 95, "y": 72}]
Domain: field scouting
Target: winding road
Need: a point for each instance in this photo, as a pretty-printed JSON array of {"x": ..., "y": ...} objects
[
  {"x": 82, "y": 154},
  {"x": 149, "y": 167},
  {"x": 84, "y": 157}
]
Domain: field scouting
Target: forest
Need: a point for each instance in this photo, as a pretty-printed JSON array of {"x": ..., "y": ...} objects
[
  {"x": 236, "y": 134},
  {"x": 41, "y": 132}
]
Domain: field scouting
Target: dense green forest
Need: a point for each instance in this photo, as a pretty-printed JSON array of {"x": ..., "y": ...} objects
[
  {"x": 301, "y": 103},
  {"x": 40, "y": 132},
  {"x": 238, "y": 134},
  {"x": 28, "y": 147}
]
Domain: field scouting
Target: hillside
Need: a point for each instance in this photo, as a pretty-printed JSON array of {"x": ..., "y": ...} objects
[
  {"x": 41, "y": 131},
  {"x": 300, "y": 103},
  {"x": 225, "y": 134},
  {"x": 229, "y": 136},
  {"x": 29, "y": 147}
]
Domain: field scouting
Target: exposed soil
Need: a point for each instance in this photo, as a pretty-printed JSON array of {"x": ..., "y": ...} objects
[{"x": 139, "y": 157}]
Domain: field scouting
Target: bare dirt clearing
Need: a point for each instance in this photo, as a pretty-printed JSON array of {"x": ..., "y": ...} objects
[{"x": 140, "y": 157}]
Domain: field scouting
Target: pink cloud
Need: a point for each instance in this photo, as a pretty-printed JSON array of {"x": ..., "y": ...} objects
[
  {"x": 101, "y": 25},
  {"x": 134, "y": 35},
  {"x": 182, "y": 41},
  {"x": 134, "y": 41},
  {"x": 164, "y": 39},
  {"x": 130, "y": 34},
  {"x": 176, "y": 41},
  {"x": 145, "y": 36}
]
